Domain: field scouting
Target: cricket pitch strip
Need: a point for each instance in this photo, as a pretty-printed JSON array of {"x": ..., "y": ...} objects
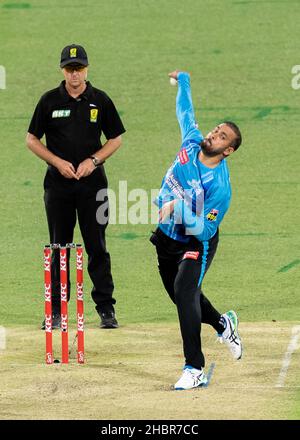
[{"x": 129, "y": 372}]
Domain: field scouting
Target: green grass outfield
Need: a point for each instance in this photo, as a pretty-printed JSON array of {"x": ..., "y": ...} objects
[{"x": 240, "y": 54}]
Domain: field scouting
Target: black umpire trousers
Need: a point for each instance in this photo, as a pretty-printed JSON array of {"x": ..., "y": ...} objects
[
  {"x": 65, "y": 200},
  {"x": 182, "y": 268}
]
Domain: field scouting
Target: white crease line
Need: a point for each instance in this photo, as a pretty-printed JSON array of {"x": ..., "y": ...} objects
[
  {"x": 293, "y": 346},
  {"x": 2, "y": 338},
  {"x": 253, "y": 387}
]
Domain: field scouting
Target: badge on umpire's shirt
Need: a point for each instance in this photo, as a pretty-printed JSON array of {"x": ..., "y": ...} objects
[{"x": 93, "y": 114}]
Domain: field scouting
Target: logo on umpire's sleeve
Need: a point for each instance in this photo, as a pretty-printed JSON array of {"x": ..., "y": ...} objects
[{"x": 212, "y": 215}]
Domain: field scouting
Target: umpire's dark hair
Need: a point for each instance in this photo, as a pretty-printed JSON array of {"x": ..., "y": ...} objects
[{"x": 238, "y": 140}]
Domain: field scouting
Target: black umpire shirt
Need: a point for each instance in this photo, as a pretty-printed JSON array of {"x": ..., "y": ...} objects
[{"x": 73, "y": 126}]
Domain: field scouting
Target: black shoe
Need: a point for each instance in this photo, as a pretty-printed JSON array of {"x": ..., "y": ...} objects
[
  {"x": 108, "y": 320},
  {"x": 56, "y": 322}
]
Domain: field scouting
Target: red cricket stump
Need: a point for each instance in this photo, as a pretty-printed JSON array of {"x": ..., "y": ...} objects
[
  {"x": 79, "y": 294},
  {"x": 64, "y": 304},
  {"x": 48, "y": 304}
]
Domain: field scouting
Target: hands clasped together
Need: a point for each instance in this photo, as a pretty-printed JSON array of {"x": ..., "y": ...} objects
[{"x": 67, "y": 169}]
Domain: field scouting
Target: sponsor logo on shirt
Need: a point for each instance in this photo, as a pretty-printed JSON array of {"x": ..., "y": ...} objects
[
  {"x": 93, "y": 114},
  {"x": 212, "y": 215},
  {"x": 183, "y": 156},
  {"x": 191, "y": 255},
  {"x": 175, "y": 186},
  {"x": 61, "y": 113}
]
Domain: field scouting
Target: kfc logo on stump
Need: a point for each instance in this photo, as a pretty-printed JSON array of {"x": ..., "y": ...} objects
[
  {"x": 79, "y": 291},
  {"x": 64, "y": 323},
  {"x": 48, "y": 323},
  {"x": 80, "y": 322}
]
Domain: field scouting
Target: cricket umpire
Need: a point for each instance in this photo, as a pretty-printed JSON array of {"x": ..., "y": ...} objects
[{"x": 73, "y": 117}]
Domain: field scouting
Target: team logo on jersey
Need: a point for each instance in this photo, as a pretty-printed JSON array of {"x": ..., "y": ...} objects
[
  {"x": 212, "y": 215},
  {"x": 196, "y": 185},
  {"x": 61, "y": 113},
  {"x": 73, "y": 52},
  {"x": 93, "y": 114},
  {"x": 183, "y": 156},
  {"x": 192, "y": 255}
]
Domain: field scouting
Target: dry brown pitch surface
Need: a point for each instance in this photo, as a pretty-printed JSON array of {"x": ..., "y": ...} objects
[{"x": 129, "y": 372}]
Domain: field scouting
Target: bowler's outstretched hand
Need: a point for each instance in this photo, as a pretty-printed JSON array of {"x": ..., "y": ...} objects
[{"x": 174, "y": 74}]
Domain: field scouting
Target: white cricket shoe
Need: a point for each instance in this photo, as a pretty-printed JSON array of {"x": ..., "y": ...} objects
[
  {"x": 191, "y": 378},
  {"x": 230, "y": 335}
]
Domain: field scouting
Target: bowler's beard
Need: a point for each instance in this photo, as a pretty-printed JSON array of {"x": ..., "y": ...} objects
[{"x": 207, "y": 149}]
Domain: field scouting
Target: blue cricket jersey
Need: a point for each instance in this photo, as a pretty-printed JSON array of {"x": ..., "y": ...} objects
[{"x": 203, "y": 194}]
